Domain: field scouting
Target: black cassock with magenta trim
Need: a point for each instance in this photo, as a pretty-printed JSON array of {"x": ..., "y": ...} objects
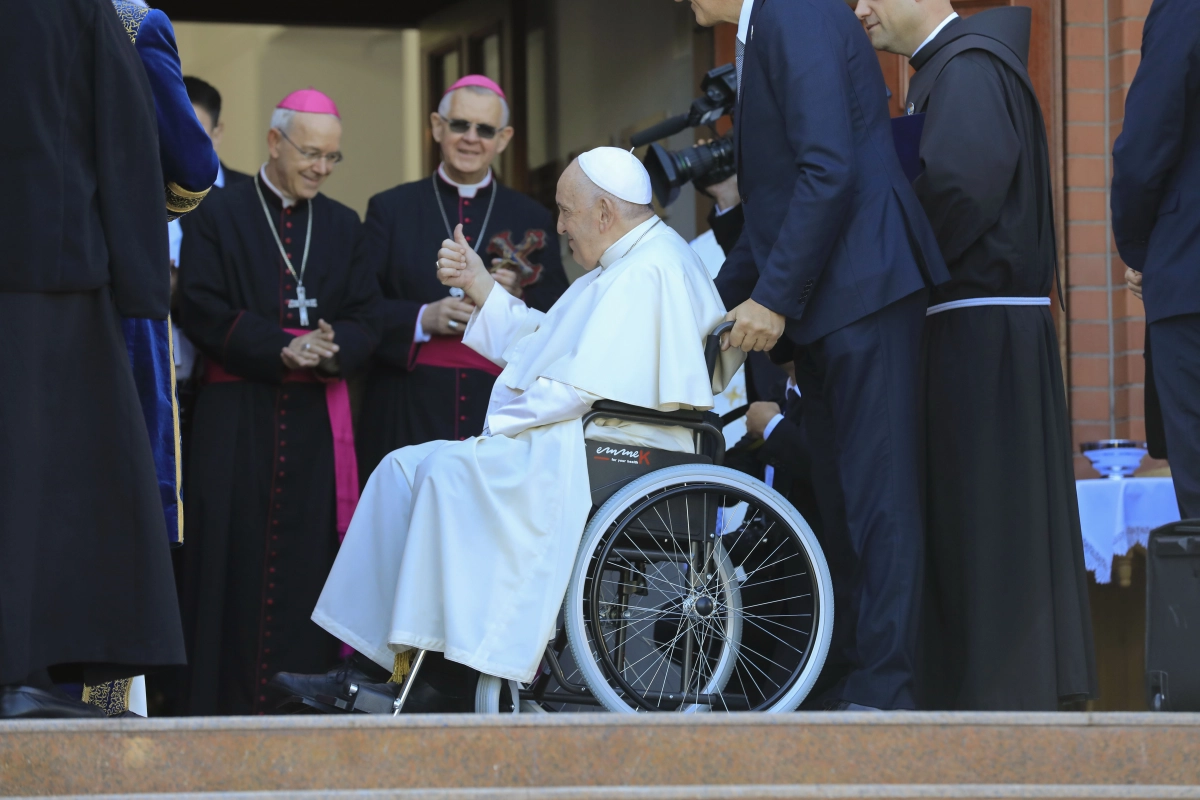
[{"x": 262, "y": 481}]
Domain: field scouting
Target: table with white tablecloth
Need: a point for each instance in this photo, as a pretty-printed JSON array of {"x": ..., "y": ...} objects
[{"x": 1116, "y": 514}]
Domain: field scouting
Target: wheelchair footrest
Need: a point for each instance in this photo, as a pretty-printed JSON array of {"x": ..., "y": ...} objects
[
  {"x": 370, "y": 698},
  {"x": 358, "y": 698}
]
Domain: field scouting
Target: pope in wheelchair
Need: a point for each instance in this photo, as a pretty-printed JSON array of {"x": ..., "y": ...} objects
[{"x": 688, "y": 586}]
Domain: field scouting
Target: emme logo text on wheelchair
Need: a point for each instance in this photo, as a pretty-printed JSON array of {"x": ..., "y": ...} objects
[{"x": 622, "y": 455}]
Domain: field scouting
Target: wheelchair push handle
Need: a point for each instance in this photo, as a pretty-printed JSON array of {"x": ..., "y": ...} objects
[{"x": 712, "y": 346}]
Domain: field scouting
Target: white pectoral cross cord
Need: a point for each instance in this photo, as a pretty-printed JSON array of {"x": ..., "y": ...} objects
[{"x": 303, "y": 303}]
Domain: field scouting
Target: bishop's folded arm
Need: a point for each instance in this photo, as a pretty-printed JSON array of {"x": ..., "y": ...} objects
[{"x": 501, "y": 321}]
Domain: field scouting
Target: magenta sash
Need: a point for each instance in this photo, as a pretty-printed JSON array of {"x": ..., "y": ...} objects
[
  {"x": 337, "y": 403},
  {"x": 450, "y": 353}
]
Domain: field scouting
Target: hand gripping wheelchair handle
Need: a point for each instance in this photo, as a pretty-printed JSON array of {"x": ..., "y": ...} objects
[{"x": 712, "y": 346}]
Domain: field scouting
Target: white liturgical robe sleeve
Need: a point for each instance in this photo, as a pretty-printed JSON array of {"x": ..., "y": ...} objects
[
  {"x": 545, "y": 403},
  {"x": 493, "y": 328},
  {"x": 498, "y": 323}
]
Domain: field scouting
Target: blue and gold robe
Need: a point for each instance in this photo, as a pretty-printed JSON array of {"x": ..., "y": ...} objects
[{"x": 189, "y": 167}]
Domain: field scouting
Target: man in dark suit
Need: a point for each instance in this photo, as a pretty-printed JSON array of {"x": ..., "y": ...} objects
[
  {"x": 1156, "y": 215},
  {"x": 837, "y": 251}
]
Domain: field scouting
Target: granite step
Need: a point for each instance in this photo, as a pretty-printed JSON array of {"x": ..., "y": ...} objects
[{"x": 587, "y": 756}]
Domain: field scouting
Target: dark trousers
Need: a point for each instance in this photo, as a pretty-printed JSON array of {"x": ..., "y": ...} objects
[
  {"x": 1176, "y": 343},
  {"x": 860, "y": 385}
]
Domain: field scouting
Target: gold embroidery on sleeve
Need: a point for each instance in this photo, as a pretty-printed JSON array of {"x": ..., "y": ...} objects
[{"x": 180, "y": 201}]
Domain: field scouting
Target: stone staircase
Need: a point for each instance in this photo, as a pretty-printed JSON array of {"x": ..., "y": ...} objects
[{"x": 564, "y": 757}]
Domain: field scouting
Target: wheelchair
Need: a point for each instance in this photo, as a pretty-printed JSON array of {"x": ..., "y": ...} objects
[{"x": 696, "y": 588}]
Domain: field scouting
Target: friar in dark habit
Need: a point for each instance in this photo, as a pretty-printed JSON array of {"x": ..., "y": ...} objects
[
  {"x": 275, "y": 299},
  {"x": 1006, "y": 621},
  {"x": 424, "y": 383}
]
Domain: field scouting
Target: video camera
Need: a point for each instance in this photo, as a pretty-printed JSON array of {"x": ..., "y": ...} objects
[{"x": 702, "y": 164}]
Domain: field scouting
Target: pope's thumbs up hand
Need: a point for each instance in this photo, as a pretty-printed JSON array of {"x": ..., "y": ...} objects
[{"x": 459, "y": 265}]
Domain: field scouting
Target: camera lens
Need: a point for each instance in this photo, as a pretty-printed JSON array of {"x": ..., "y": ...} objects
[
  {"x": 704, "y": 164},
  {"x": 664, "y": 176}
]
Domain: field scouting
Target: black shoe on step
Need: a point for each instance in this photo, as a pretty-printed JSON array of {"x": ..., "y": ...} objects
[
  {"x": 28, "y": 702},
  {"x": 335, "y": 683}
]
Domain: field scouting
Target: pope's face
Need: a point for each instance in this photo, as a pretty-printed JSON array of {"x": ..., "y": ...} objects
[
  {"x": 891, "y": 25},
  {"x": 467, "y": 153},
  {"x": 579, "y": 219},
  {"x": 303, "y": 157}
]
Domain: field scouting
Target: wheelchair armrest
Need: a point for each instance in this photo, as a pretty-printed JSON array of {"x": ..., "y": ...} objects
[
  {"x": 624, "y": 410},
  {"x": 703, "y": 422}
]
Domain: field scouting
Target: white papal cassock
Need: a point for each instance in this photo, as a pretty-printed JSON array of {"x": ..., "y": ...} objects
[{"x": 466, "y": 547}]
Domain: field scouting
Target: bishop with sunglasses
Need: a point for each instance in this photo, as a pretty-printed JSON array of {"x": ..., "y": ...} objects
[
  {"x": 424, "y": 383},
  {"x": 283, "y": 312}
]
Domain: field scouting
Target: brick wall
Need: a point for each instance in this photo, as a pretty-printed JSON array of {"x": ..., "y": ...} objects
[{"x": 1106, "y": 324}]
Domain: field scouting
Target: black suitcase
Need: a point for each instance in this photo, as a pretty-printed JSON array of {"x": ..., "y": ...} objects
[{"x": 1173, "y": 617}]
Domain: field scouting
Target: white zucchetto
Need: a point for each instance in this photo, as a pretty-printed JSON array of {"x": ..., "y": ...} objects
[{"x": 617, "y": 172}]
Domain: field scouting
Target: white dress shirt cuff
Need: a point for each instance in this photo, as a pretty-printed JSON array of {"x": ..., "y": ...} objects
[
  {"x": 767, "y": 431},
  {"x": 419, "y": 334}
]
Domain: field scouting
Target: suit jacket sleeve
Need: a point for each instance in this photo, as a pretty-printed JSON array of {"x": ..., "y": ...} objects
[
  {"x": 244, "y": 343},
  {"x": 128, "y": 175},
  {"x": 738, "y": 275},
  {"x": 188, "y": 158},
  {"x": 397, "y": 315},
  {"x": 784, "y": 444},
  {"x": 1151, "y": 142},
  {"x": 359, "y": 320},
  {"x": 808, "y": 80},
  {"x": 970, "y": 150}
]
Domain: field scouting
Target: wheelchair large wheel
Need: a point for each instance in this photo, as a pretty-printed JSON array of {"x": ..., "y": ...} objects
[{"x": 698, "y": 588}]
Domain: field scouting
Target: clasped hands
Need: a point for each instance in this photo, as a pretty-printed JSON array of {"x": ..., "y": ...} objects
[{"x": 313, "y": 349}]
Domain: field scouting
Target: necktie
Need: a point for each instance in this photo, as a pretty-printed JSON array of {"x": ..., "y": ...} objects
[{"x": 740, "y": 50}]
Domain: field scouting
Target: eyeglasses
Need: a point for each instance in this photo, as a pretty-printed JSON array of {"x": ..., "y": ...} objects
[
  {"x": 310, "y": 155},
  {"x": 461, "y": 126}
]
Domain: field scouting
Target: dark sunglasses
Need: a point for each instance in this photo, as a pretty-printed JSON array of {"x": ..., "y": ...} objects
[{"x": 461, "y": 126}]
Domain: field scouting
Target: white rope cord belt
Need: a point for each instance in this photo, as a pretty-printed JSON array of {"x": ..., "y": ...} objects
[{"x": 987, "y": 301}]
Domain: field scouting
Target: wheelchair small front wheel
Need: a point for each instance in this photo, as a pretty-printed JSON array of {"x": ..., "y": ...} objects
[{"x": 698, "y": 588}]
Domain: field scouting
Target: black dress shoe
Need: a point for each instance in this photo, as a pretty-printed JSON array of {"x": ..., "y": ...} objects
[
  {"x": 26, "y": 702},
  {"x": 334, "y": 684}
]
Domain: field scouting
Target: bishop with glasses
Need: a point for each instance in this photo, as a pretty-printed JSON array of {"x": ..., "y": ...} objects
[
  {"x": 424, "y": 384},
  {"x": 274, "y": 299}
]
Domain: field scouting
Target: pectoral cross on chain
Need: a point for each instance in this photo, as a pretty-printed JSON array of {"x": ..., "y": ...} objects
[{"x": 303, "y": 303}]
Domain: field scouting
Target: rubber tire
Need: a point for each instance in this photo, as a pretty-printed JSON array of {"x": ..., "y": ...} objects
[{"x": 593, "y": 673}]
